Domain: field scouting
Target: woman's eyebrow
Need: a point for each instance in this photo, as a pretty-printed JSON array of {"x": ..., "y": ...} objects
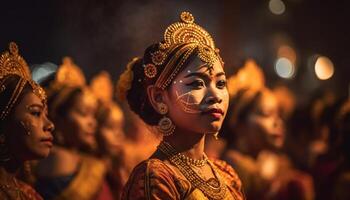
[
  {"x": 204, "y": 75},
  {"x": 35, "y": 105}
]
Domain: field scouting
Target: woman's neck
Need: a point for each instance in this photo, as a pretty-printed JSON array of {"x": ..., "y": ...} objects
[{"x": 188, "y": 143}]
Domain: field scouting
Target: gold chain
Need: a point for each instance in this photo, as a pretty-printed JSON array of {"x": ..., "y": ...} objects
[{"x": 212, "y": 191}]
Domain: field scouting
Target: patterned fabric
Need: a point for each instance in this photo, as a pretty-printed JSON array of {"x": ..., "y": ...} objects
[
  {"x": 154, "y": 179},
  {"x": 23, "y": 191}
]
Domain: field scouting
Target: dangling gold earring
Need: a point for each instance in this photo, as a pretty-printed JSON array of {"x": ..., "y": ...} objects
[{"x": 165, "y": 125}]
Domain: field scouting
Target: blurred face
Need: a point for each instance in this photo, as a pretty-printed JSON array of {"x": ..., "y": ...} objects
[
  {"x": 29, "y": 130},
  {"x": 111, "y": 132},
  {"x": 265, "y": 123},
  {"x": 198, "y": 98},
  {"x": 80, "y": 126}
]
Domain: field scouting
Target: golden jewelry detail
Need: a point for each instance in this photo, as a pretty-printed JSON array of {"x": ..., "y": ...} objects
[
  {"x": 166, "y": 126},
  {"x": 162, "y": 108},
  {"x": 150, "y": 70},
  {"x": 212, "y": 188},
  {"x": 11, "y": 63},
  {"x": 194, "y": 162},
  {"x": 188, "y": 35}
]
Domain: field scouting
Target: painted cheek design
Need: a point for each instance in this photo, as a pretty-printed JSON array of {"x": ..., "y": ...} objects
[
  {"x": 187, "y": 103},
  {"x": 27, "y": 126}
]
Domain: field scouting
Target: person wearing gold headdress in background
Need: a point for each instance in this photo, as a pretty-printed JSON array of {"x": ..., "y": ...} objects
[
  {"x": 110, "y": 133},
  {"x": 179, "y": 88},
  {"x": 255, "y": 135},
  {"x": 25, "y": 130},
  {"x": 70, "y": 171}
]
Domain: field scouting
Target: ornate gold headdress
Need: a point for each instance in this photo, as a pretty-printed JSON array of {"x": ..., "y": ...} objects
[
  {"x": 102, "y": 86},
  {"x": 68, "y": 77},
  {"x": 11, "y": 63},
  {"x": 249, "y": 77},
  {"x": 184, "y": 37}
]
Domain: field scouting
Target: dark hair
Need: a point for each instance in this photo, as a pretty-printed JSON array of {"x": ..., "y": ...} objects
[{"x": 137, "y": 95}]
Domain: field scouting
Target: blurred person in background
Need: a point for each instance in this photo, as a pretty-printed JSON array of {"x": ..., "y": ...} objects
[
  {"x": 342, "y": 181},
  {"x": 71, "y": 171},
  {"x": 255, "y": 135},
  {"x": 110, "y": 133}
]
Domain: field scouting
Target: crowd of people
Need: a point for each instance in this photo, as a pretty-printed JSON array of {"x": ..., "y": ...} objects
[{"x": 174, "y": 126}]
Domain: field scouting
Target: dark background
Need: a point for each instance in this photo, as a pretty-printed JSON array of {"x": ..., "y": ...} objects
[{"x": 106, "y": 34}]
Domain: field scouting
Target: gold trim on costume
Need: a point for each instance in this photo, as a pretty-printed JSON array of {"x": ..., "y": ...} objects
[{"x": 87, "y": 182}]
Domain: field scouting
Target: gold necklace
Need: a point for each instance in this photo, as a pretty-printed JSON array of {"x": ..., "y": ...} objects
[
  {"x": 214, "y": 188},
  {"x": 194, "y": 162}
]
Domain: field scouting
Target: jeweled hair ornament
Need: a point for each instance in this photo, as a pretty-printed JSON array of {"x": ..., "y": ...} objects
[{"x": 11, "y": 63}]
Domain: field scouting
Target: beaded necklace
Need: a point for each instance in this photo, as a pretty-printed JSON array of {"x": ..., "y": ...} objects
[{"x": 213, "y": 188}]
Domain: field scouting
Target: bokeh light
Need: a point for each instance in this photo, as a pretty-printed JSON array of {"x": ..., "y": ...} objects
[
  {"x": 284, "y": 68},
  {"x": 324, "y": 68},
  {"x": 277, "y": 7}
]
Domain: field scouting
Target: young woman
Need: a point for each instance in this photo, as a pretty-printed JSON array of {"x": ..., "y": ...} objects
[
  {"x": 110, "y": 133},
  {"x": 179, "y": 87},
  {"x": 255, "y": 134},
  {"x": 70, "y": 172},
  {"x": 25, "y": 130}
]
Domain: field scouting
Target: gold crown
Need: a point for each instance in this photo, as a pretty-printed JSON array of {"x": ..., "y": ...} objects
[
  {"x": 69, "y": 74},
  {"x": 102, "y": 86},
  {"x": 188, "y": 35},
  {"x": 11, "y": 63},
  {"x": 249, "y": 77}
]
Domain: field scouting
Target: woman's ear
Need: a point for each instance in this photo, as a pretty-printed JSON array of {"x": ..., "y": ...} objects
[{"x": 156, "y": 97}]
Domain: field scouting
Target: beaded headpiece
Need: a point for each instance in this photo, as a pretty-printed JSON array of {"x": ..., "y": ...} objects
[
  {"x": 11, "y": 63},
  {"x": 181, "y": 39}
]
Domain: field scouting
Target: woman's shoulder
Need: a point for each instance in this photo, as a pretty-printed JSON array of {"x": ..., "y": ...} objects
[
  {"x": 151, "y": 179},
  {"x": 228, "y": 173},
  {"x": 152, "y": 167}
]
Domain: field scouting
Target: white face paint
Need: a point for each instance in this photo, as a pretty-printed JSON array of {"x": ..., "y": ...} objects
[
  {"x": 198, "y": 97},
  {"x": 187, "y": 102}
]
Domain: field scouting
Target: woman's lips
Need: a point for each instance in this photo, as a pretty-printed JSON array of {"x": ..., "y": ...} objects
[
  {"x": 48, "y": 141},
  {"x": 216, "y": 113}
]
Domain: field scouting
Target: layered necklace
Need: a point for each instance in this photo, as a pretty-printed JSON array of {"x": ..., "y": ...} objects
[{"x": 213, "y": 188}]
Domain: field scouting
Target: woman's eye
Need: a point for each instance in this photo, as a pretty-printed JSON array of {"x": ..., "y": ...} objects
[
  {"x": 197, "y": 84},
  {"x": 221, "y": 84},
  {"x": 36, "y": 113}
]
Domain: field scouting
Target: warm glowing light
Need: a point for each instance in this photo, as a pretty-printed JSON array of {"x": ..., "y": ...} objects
[
  {"x": 277, "y": 7},
  {"x": 284, "y": 68},
  {"x": 324, "y": 68},
  {"x": 287, "y": 52}
]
